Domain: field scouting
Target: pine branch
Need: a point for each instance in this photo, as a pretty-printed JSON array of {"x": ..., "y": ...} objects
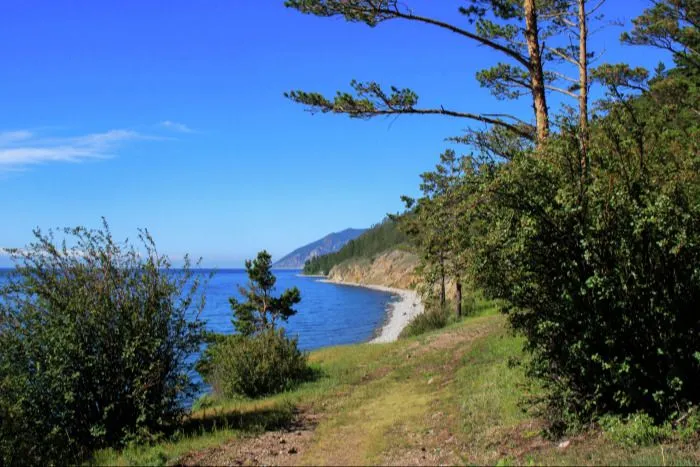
[
  {"x": 374, "y": 12},
  {"x": 562, "y": 91},
  {"x": 371, "y": 101},
  {"x": 562, "y": 55}
]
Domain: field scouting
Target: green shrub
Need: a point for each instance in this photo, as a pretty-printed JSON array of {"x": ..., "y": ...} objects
[
  {"x": 604, "y": 277},
  {"x": 640, "y": 429},
  {"x": 434, "y": 317},
  {"x": 94, "y": 346},
  {"x": 635, "y": 430},
  {"x": 261, "y": 364},
  {"x": 688, "y": 427},
  {"x": 474, "y": 304}
]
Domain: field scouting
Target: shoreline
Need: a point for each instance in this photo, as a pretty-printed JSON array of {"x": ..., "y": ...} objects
[{"x": 399, "y": 312}]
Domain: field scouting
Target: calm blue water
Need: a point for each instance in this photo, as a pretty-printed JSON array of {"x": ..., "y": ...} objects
[{"x": 328, "y": 314}]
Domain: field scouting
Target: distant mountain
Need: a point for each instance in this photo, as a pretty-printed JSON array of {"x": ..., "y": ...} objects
[
  {"x": 328, "y": 244},
  {"x": 380, "y": 238}
]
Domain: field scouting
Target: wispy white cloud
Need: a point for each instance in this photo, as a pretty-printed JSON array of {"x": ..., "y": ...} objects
[
  {"x": 175, "y": 126},
  {"x": 21, "y": 148},
  {"x": 10, "y": 137}
]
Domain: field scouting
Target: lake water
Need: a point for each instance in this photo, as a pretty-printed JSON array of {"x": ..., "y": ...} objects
[{"x": 328, "y": 314}]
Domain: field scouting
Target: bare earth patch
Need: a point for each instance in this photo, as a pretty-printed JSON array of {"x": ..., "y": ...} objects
[
  {"x": 278, "y": 447},
  {"x": 450, "y": 339}
]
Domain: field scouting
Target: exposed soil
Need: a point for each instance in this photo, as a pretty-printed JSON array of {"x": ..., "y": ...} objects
[
  {"x": 279, "y": 447},
  {"x": 447, "y": 340}
]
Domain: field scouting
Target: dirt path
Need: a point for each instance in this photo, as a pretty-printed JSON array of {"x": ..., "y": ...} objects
[
  {"x": 279, "y": 447},
  {"x": 393, "y": 416}
]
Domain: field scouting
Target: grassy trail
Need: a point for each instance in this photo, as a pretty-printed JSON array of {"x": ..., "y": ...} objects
[{"x": 449, "y": 397}]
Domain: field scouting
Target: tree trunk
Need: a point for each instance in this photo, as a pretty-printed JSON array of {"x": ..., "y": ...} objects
[
  {"x": 442, "y": 282},
  {"x": 459, "y": 299},
  {"x": 539, "y": 98},
  {"x": 583, "y": 92}
]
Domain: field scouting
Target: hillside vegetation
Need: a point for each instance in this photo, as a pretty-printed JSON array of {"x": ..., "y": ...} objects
[
  {"x": 379, "y": 238},
  {"x": 450, "y": 397}
]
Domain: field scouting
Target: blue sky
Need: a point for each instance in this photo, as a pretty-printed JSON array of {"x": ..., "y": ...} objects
[{"x": 173, "y": 118}]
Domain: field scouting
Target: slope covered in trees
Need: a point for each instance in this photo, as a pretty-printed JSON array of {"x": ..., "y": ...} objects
[{"x": 377, "y": 239}]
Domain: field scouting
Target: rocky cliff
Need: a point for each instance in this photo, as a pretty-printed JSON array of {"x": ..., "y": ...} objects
[{"x": 395, "y": 268}]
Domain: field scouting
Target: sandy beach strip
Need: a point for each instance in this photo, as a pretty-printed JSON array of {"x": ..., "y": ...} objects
[{"x": 401, "y": 311}]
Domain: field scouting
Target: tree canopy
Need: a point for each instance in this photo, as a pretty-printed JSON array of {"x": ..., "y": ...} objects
[{"x": 261, "y": 309}]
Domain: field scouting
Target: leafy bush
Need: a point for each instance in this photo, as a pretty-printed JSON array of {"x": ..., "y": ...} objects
[
  {"x": 603, "y": 272},
  {"x": 687, "y": 427},
  {"x": 638, "y": 429},
  {"x": 434, "y": 317},
  {"x": 260, "y": 359},
  {"x": 94, "y": 346},
  {"x": 265, "y": 363},
  {"x": 438, "y": 316}
]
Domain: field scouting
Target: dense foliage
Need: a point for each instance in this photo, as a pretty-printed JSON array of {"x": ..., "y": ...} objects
[
  {"x": 601, "y": 271},
  {"x": 94, "y": 346},
  {"x": 255, "y": 366},
  {"x": 602, "y": 267},
  {"x": 435, "y": 316},
  {"x": 377, "y": 239},
  {"x": 604, "y": 279}
]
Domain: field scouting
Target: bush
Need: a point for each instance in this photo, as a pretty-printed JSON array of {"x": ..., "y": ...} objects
[
  {"x": 259, "y": 360},
  {"x": 94, "y": 346},
  {"x": 635, "y": 430},
  {"x": 438, "y": 316},
  {"x": 604, "y": 277},
  {"x": 258, "y": 365},
  {"x": 434, "y": 317},
  {"x": 639, "y": 429}
]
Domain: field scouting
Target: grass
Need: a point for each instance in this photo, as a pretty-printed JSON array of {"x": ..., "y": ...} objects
[
  {"x": 437, "y": 317},
  {"x": 204, "y": 429},
  {"x": 448, "y": 396}
]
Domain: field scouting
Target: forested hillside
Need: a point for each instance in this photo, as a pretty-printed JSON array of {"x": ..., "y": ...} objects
[{"x": 378, "y": 239}]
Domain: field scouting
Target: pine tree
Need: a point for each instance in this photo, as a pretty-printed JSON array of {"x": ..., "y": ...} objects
[
  {"x": 261, "y": 309},
  {"x": 672, "y": 25}
]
